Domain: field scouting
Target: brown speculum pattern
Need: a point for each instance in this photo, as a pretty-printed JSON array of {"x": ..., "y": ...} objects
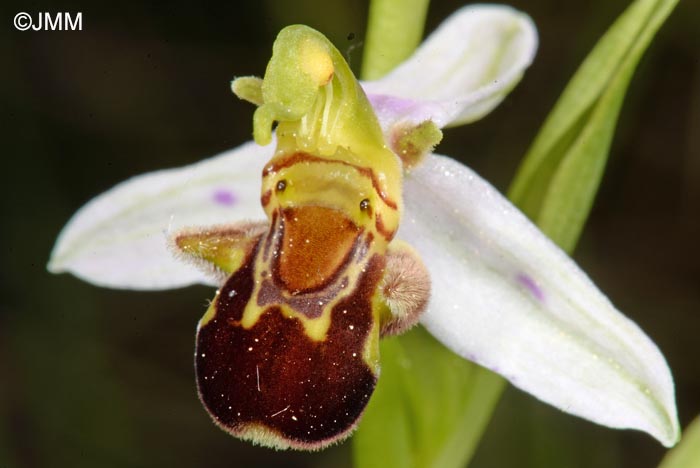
[{"x": 272, "y": 382}]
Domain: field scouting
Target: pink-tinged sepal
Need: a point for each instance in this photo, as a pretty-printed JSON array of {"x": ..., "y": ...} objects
[{"x": 462, "y": 71}]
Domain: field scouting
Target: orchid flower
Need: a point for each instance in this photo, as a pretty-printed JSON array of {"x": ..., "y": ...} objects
[{"x": 502, "y": 294}]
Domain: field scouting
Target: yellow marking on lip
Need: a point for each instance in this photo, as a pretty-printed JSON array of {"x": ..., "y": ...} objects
[
  {"x": 209, "y": 314},
  {"x": 370, "y": 354},
  {"x": 313, "y": 181},
  {"x": 316, "y": 328}
]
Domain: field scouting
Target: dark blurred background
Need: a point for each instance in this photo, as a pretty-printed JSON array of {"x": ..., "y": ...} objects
[{"x": 93, "y": 377}]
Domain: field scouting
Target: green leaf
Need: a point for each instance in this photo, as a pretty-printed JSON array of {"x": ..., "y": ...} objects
[
  {"x": 429, "y": 409},
  {"x": 687, "y": 453},
  {"x": 560, "y": 175}
]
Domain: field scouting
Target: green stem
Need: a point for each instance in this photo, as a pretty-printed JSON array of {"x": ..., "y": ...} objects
[{"x": 394, "y": 30}]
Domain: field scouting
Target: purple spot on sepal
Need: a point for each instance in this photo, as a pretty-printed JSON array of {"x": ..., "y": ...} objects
[
  {"x": 224, "y": 197},
  {"x": 531, "y": 286}
]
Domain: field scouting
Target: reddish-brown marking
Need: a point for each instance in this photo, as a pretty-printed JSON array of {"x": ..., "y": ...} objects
[
  {"x": 306, "y": 393},
  {"x": 265, "y": 198},
  {"x": 295, "y": 158},
  {"x": 270, "y": 236},
  {"x": 219, "y": 237},
  {"x": 381, "y": 229},
  {"x": 316, "y": 243}
]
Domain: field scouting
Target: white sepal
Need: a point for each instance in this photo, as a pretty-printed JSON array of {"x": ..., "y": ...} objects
[
  {"x": 506, "y": 297},
  {"x": 120, "y": 238},
  {"x": 461, "y": 71}
]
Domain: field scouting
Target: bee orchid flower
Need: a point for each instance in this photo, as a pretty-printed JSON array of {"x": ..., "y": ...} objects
[{"x": 367, "y": 232}]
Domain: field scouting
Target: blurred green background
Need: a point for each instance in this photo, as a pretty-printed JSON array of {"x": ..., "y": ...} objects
[{"x": 93, "y": 377}]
